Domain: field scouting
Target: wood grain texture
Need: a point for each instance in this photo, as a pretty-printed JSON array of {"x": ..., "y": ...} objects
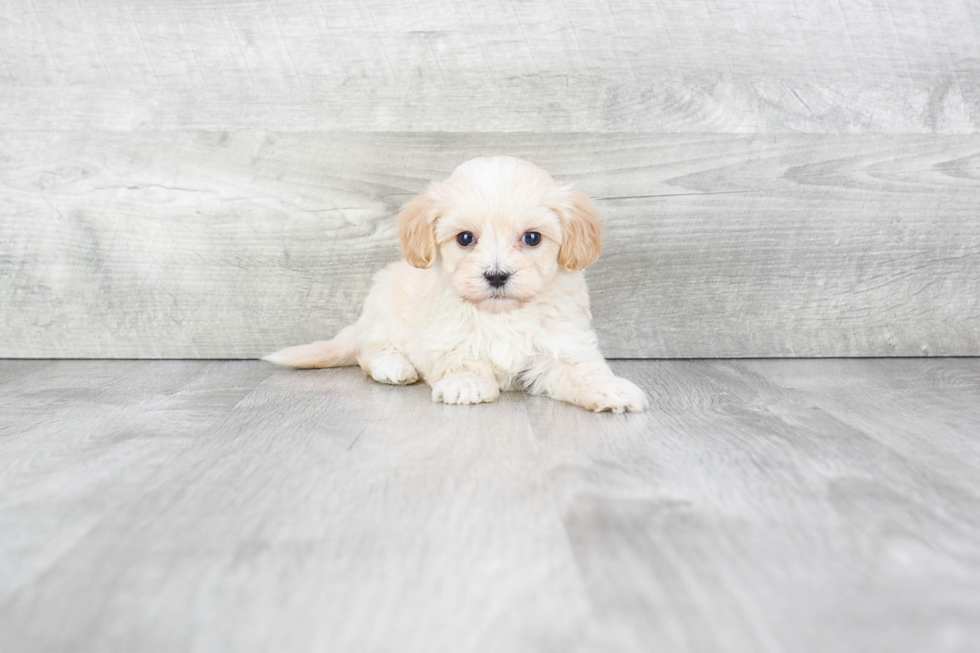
[
  {"x": 494, "y": 65},
  {"x": 840, "y": 389},
  {"x": 758, "y": 506},
  {"x": 326, "y": 527},
  {"x": 235, "y": 244},
  {"x": 739, "y": 514},
  {"x": 80, "y": 438}
]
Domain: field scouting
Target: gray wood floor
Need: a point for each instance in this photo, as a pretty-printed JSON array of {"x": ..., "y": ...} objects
[{"x": 791, "y": 505}]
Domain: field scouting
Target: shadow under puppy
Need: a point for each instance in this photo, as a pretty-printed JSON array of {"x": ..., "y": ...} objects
[{"x": 490, "y": 295}]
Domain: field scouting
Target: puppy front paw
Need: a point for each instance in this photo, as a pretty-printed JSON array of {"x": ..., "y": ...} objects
[
  {"x": 613, "y": 394},
  {"x": 465, "y": 388},
  {"x": 394, "y": 369}
]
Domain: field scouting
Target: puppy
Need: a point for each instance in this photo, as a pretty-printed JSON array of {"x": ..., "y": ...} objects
[{"x": 490, "y": 296}]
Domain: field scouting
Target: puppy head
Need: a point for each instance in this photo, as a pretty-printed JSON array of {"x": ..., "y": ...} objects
[{"x": 499, "y": 228}]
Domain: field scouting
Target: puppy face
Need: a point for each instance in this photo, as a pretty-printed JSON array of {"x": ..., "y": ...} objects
[{"x": 498, "y": 229}]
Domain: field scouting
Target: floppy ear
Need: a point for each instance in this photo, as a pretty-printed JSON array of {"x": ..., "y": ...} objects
[
  {"x": 417, "y": 230},
  {"x": 581, "y": 225}
]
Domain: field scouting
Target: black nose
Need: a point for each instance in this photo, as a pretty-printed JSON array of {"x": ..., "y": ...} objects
[{"x": 496, "y": 279}]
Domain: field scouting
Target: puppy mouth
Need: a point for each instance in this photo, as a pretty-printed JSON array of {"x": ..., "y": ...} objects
[
  {"x": 502, "y": 295},
  {"x": 494, "y": 297},
  {"x": 499, "y": 301}
]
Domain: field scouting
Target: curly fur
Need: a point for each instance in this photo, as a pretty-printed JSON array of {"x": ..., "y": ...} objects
[{"x": 435, "y": 317}]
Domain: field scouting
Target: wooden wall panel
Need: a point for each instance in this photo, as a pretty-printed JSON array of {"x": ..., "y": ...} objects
[
  {"x": 230, "y": 245},
  {"x": 217, "y": 178},
  {"x": 737, "y": 66}
]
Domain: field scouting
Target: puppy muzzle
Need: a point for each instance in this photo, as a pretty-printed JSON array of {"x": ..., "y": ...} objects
[{"x": 496, "y": 278}]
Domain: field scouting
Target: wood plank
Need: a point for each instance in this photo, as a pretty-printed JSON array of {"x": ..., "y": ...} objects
[
  {"x": 13, "y": 370},
  {"x": 79, "y": 439},
  {"x": 884, "y": 398},
  {"x": 325, "y": 512},
  {"x": 736, "y": 516},
  {"x": 495, "y": 65},
  {"x": 752, "y": 509},
  {"x": 707, "y": 103},
  {"x": 232, "y": 245}
]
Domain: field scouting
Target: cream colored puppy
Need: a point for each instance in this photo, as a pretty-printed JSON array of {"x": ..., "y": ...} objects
[{"x": 490, "y": 296}]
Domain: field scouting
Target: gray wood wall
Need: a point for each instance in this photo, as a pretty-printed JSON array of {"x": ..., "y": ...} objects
[{"x": 216, "y": 179}]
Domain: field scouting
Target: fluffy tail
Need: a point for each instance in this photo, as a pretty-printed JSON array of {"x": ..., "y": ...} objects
[{"x": 339, "y": 352}]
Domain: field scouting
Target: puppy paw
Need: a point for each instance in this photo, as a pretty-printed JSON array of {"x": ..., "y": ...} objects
[
  {"x": 394, "y": 369},
  {"x": 615, "y": 395},
  {"x": 465, "y": 388}
]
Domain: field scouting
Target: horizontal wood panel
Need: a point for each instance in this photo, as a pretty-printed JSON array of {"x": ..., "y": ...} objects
[
  {"x": 231, "y": 245},
  {"x": 263, "y": 42},
  {"x": 932, "y": 105},
  {"x": 490, "y": 66}
]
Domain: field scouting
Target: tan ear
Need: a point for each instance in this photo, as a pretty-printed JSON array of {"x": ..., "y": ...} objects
[
  {"x": 581, "y": 225},
  {"x": 417, "y": 230}
]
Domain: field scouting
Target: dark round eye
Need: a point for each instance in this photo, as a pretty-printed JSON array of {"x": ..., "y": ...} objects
[
  {"x": 531, "y": 238},
  {"x": 465, "y": 239}
]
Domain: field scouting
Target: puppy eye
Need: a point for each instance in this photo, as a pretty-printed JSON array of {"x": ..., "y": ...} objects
[
  {"x": 531, "y": 238},
  {"x": 466, "y": 239}
]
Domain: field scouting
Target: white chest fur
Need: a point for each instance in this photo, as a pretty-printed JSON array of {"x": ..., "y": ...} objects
[{"x": 554, "y": 324}]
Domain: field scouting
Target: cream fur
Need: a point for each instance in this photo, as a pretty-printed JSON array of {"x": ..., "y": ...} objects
[{"x": 441, "y": 320}]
